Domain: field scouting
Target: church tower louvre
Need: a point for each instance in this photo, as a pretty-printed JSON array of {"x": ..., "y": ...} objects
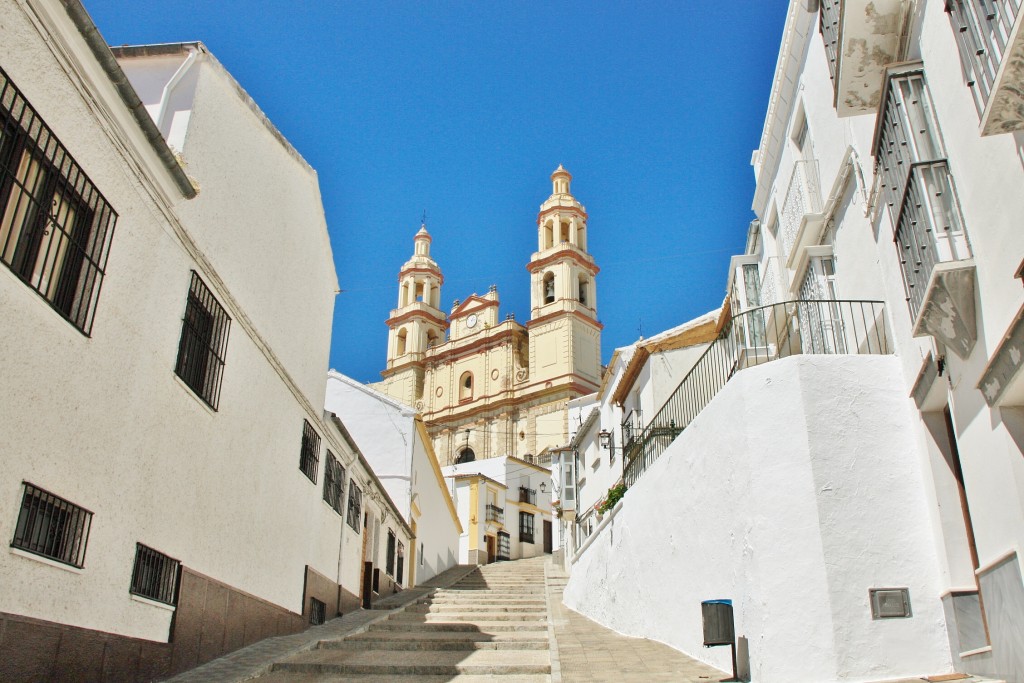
[
  {"x": 564, "y": 330},
  {"x": 417, "y": 324}
]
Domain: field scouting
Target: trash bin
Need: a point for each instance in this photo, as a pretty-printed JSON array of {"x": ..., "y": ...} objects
[{"x": 718, "y": 624}]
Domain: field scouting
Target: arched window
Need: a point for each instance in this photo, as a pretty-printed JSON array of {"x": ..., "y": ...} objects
[
  {"x": 581, "y": 235},
  {"x": 404, "y": 298},
  {"x": 583, "y": 293},
  {"x": 432, "y": 338},
  {"x": 466, "y": 386},
  {"x": 563, "y": 235},
  {"x": 549, "y": 235},
  {"x": 549, "y": 288},
  {"x": 419, "y": 291},
  {"x": 466, "y": 455},
  {"x": 400, "y": 343}
]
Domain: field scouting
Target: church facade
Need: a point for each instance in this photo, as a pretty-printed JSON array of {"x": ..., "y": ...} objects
[{"x": 489, "y": 386}]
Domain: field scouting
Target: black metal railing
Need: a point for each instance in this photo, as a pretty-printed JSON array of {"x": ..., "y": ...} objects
[
  {"x": 155, "y": 575},
  {"x": 982, "y": 29},
  {"x": 495, "y": 514},
  {"x": 317, "y": 612},
  {"x": 504, "y": 552},
  {"x": 52, "y": 527},
  {"x": 309, "y": 453},
  {"x": 527, "y": 495},
  {"x": 930, "y": 229},
  {"x": 754, "y": 337},
  {"x": 828, "y": 24},
  {"x": 631, "y": 428}
]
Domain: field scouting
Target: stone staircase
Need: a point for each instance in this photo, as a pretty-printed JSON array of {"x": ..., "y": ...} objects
[{"x": 492, "y": 625}]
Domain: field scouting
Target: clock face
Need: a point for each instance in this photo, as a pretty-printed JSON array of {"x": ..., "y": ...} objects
[{"x": 471, "y": 320}]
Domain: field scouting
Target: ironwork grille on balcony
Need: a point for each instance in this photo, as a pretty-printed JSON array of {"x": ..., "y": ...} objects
[
  {"x": 917, "y": 186},
  {"x": 55, "y": 226},
  {"x": 802, "y": 197},
  {"x": 355, "y": 506},
  {"x": 155, "y": 575},
  {"x": 503, "y": 552},
  {"x": 828, "y": 24},
  {"x": 753, "y": 337},
  {"x": 317, "y": 612},
  {"x": 334, "y": 482},
  {"x": 982, "y": 29},
  {"x": 389, "y": 566},
  {"x": 309, "y": 454},
  {"x": 204, "y": 343},
  {"x": 527, "y": 495},
  {"x": 52, "y": 527},
  {"x": 495, "y": 514},
  {"x": 526, "y": 527}
]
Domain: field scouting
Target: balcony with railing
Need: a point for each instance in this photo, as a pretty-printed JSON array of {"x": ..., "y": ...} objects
[
  {"x": 495, "y": 514},
  {"x": 751, "y": 338},
  {"x": 503, "y": 553},
  {"x": 527, "y": 495},
  {"x": 988, "y": 35},
  {"x": 861, "y": 37}
]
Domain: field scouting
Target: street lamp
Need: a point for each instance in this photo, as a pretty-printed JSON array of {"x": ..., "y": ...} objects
[
  {"x": 543, "y": 487},
  {"x": 605, "y": 439}
]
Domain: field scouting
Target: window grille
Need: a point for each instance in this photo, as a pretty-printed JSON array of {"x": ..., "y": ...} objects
[
  {"x": 52, "y": 527},
  {"x": 204, "y": 343},
  {"x": 828, "y": 25},
  {"x": 917, "y": 185},
  {"x": 503, "y": 546},
  {"x": 334, "y": 482},
  {"x": 317, "y": 612},
  {"x": 983, "y": 29},
  {"x": 525, "y": 527},
  {"x": 390, "y": 560},
  {"x": 309, "y": 457},
  {"x": 155, "y": 575},
  {"x": 355, "y": 505},
  {"x": 55, "y": 226},
  {"x": 400, "y": 563}
]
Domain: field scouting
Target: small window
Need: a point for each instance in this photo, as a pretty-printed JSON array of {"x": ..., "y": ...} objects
[
  {"x": 317, "y": 612},
  {"x": 204, "y": 343},
  {"x": 355, "y": 505},
  {"x": 55, "y": 226},
  {"x": 466, "y": 386},
  {"x": 503, "y": 546},
  {"x": 583, "y": 293},
  {"x": 155, "y": 575},
  {"x": 334, "y": 482},
  {"x": 525, "y": 527},
  {"x": 309, "y": 457},
  {"x": 390, "y": 560},
  {"x": 466, "y": 455},
  {"x": 52, "y": 527},
  {"x": 401, "y": 342},
  {"x": 400, "y": 563},
  {"x": 421, "y": 554}
]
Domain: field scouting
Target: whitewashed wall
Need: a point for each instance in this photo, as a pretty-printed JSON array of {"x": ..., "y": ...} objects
[{"x": 794, "y": 512}]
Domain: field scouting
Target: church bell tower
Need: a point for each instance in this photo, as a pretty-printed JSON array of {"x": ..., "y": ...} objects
[{"x": 564, "y": 329}]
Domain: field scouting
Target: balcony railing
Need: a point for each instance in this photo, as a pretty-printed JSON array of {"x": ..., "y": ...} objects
[
  {"x": 527, "y": 495},
  {"x": 828, "y": 24},
  {"x": 929, "y": 230},
  {"x": 495, "y": 514},
  {"x": 751, "y": 338},
  {"x": 631, "y": 428},
  {"x": 983, "y": 29}
]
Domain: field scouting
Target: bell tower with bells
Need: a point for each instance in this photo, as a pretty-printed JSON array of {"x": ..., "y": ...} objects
[
  {"x": 564, "y": 329},
  {"x": 418, "y": 323}
]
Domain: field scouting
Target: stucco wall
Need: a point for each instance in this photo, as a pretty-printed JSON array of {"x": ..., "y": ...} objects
[{"x": 806, "y": 501}]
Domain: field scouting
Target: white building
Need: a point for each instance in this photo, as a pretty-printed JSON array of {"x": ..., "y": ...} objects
[
  {"x": 861, "y": 506},
  {"x": 170, "y": 484},
  {"x": 504, "y": 505},
  {"x": 397, "y": 446}
]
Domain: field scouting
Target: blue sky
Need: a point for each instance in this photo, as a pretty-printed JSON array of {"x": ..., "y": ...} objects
[{"x": 463, "y": 110}]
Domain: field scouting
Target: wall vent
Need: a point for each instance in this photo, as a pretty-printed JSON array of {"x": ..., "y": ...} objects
[{"x": 890, "y": 603}]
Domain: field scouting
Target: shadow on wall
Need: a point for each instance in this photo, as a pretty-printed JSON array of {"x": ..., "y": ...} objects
[{"x": 1013, "y": 418}]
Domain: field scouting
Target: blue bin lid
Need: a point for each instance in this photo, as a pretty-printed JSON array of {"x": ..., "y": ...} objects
[{"x": 716, "y": 602}]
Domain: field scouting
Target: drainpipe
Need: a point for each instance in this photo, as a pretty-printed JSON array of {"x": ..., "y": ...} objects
[{"x": 171, "y": 84}]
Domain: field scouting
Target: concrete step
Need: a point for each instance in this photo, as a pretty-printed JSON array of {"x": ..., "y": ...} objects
[
  {"x": 485, "y": 627},
  {"x": 293, "y": 677},
  {"x": 415, "y": 617},
  {"x": 437, "y": 635},
  {"x": 469, "y": 607},
  {"x": 417, "y": 641},
  {"x": 440, "y": 663}
]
